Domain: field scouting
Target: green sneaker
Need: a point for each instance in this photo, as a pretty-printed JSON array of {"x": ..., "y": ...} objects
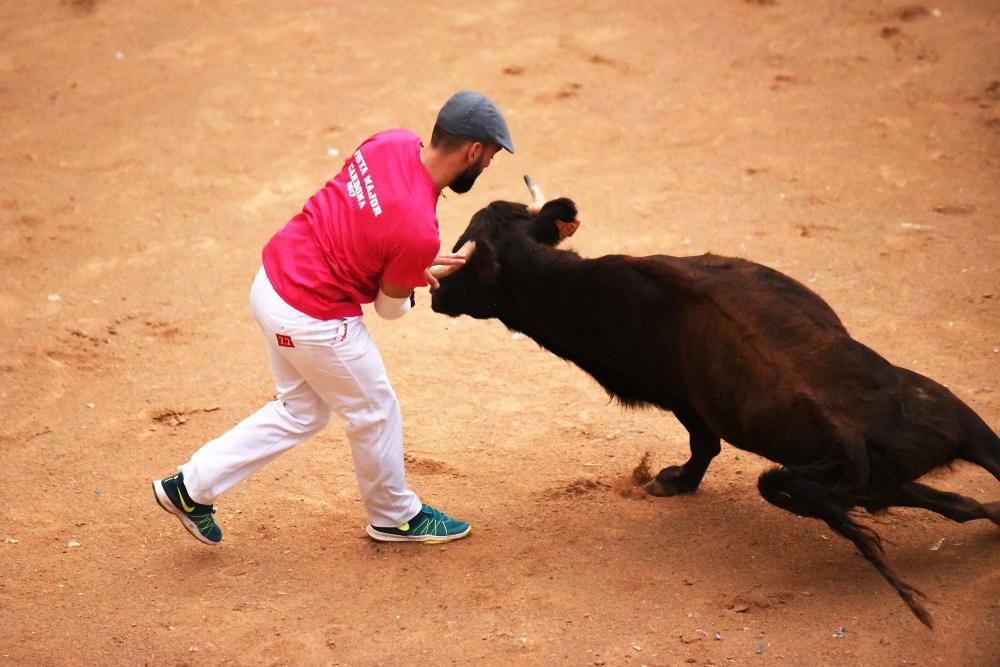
[
  {"x": 430, "y": 526},
  {"x": 197, "y": 518}
]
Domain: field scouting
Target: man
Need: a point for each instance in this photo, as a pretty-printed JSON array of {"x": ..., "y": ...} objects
[{"x": 368, "y": 236}]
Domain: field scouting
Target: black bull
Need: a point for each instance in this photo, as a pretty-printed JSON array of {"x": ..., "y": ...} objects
[{"x": 739, "y": 352}]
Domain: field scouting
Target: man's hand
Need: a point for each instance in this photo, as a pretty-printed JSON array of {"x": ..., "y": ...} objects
[{"x": 449, "y": 259}]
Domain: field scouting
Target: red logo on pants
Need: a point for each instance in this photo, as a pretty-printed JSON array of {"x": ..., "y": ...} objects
[{"x": 284, "y": 341}]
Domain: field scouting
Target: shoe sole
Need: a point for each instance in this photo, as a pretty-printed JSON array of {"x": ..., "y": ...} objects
[
  {"x": 424, "y": 539},
  {"x": 164, "y": 502}
]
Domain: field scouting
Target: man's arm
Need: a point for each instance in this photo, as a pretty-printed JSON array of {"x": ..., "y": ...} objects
[
  {"x": 393, "y": 301},
  {"x": 396, "y": 291}
]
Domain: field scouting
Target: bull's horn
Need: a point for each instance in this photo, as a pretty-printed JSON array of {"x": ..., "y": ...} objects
[
  {"x": 536, "y": 193},
  {"x": 439, "y": 271}
]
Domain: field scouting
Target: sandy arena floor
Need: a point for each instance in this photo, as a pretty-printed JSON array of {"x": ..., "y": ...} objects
[{"x": 149, "y": 151}]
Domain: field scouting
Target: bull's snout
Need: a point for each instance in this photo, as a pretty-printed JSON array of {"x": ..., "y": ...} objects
[{"x": 438, "y": 304}]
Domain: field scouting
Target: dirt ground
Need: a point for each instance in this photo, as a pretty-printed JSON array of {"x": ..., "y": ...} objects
[{"x": 151, "y": 149}]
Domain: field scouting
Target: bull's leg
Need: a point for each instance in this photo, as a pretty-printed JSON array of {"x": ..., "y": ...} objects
[
  {"x": 813, "y": 493},
  {"x": 952, "y": 505},
  {"x": 705, "y": 446},
  {"x": 984, "y": 451}
]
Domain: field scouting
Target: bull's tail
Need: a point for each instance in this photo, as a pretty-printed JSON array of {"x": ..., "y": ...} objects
[{"x": 819, "y": 492}]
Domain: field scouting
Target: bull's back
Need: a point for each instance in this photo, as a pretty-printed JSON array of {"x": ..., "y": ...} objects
[
  {"x": 770, "y": 364},
  {"x": 761, "y": 357},
  {"x": 759, "y": 299},
  {"x": 755, "y": 315}
]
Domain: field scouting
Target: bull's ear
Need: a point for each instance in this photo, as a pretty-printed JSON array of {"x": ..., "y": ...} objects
[
  {"x": 484, "y": 262},
  {"x": 555, "y": 222}
]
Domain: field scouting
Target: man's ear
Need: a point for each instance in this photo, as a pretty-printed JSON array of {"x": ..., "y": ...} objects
[
  {"x": 555, "y": 222},
  {"x": 473, "y": 152}
]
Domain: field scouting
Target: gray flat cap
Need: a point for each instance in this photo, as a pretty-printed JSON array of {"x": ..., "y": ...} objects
[{"x": 471, "y": 115}]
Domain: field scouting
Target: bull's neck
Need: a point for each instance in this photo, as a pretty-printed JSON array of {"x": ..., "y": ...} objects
[{"x": 540, "y": 289}]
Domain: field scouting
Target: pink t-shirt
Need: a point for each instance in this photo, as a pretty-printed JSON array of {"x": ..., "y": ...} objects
[{"x": 374, "y": 223}]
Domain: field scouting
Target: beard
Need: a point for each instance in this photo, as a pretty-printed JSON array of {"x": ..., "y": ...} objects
[{"x": 464, "y": 181}]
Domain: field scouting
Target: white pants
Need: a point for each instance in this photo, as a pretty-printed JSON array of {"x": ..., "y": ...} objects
[{"x": 320, "y": 365}]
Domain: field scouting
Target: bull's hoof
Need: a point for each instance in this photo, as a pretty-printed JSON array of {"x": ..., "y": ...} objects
[
  {"x": 654, "y": 488},
  {"x": 670, "y": 482}
]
